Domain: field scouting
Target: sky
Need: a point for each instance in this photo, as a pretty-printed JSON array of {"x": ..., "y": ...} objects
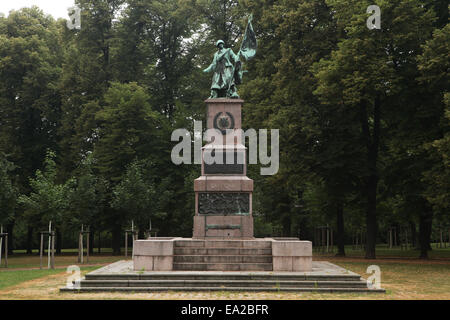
[{"x": 57, "y": 8}]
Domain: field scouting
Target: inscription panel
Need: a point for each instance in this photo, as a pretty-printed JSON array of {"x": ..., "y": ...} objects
[
  {"x": 237, "y": 167},
  {"x": 224, "y": 203}
]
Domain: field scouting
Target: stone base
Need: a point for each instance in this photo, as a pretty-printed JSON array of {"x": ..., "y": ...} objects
[
  {"x": 121, "y": 277},
  {"x": 267, "y": 254},
  {"x": 291, "y": 255},
  {"x": 153, "y": 255}
]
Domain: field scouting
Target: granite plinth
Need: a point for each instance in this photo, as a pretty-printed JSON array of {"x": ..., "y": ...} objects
[
  {"x": 231, "y": 108},
  {"x": 221, "y": 254}
]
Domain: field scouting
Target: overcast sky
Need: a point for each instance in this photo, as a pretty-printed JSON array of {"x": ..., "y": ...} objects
[{"x": 57, "y": 8}]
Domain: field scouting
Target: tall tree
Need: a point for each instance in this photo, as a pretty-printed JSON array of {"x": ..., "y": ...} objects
[
  {"x": 135, "y": 196},
  {"x": 29, "y": 100},
  {"x": 87, "y": 72},
  {"x": 281, "y": 93},
  {"x": 87, "y": 196},
  {"x": 8, "y": 192},
  {"x": 30, "y": 105},
  {"x": 48, "y": 200},
  {"x": 128, "y": 130},
  {"x": 365, "y": 75},
  {"x": 434, "y": 64},
  {"x": 157, "y": 48},
  {"x": 223, "y": 19}
]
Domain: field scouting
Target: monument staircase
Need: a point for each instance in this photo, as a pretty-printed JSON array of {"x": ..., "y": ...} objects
[
  {"x": 222, "y": 255},
  {"x": 119, "y": 277}
]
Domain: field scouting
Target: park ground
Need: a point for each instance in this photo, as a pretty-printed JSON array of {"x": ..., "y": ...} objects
[{"x": 402, "y": 275}]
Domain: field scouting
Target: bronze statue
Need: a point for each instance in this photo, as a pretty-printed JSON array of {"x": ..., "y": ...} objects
[{"x": 227, "y": 66}]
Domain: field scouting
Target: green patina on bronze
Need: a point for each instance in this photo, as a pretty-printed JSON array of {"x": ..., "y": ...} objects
[
  {"x": 227, "y": 66},
  {"x": 223, "y": 203}
]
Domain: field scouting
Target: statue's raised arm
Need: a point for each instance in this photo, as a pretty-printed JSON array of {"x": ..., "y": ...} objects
[{"x": 227, "y": 66}]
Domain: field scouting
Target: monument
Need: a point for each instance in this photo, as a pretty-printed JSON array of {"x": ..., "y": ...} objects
[
  {"x": 223, "y": 253},
  {"x": 223, "y": 238},
  {"x": 223, "y": 194}
]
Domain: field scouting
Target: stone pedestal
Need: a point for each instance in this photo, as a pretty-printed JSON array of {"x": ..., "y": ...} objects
[
  {"x": 263, "y": 254},
  {"x": 223, "y": 194},
  {"x": 154, "y": 255},
  {"x": 291, "y": 256}
]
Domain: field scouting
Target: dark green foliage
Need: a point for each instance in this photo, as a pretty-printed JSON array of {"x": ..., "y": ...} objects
[
  {"x": 134, "y": 195},
  {"x": 8, "y": 192},
  {"x": 48, "y": 200}
]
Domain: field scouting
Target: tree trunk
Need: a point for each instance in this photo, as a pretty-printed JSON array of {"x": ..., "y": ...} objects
[
  {"x": 372, "y": 145},
  {"x": 340, "y": 230},
  {"x": 99, "y": 244},
  {"x": 30, "y": 240},
  {"x": 425, "y": 224},
  {"x": 91, "y": 242},
  {"x": 9, "y": 230},
  {"x": 413, "y": 234},
  {"x": 38, "y": 236},
  {"x": 287, "y": 225},
  {"x": 116, "y": 239},
  {"x": 141, "y": 232},
  {"x": 58, "y": 242},
  {"x": 371, "y": 220}
]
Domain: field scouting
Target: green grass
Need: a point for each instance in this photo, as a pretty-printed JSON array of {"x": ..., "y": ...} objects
[
  {"x": 421, "y": 279},
  {"x": 107, "y": 251},
  {"x": 11, "y": 278},
  {"x": 382, "y": 251},
  {"x": 15, "y": 277},
  {"x": 22, "y": 261},
  {"x": 27, "y": 261}
]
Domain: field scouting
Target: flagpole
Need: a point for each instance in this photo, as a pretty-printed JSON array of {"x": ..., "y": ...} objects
[
  {"x": 239, "y": 54},
  {"x": 1, "y": 243},
  {"x": 49, "y": 242}
]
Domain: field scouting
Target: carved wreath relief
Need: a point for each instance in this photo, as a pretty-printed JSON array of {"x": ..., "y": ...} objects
[{"x": 224, "y": 122}]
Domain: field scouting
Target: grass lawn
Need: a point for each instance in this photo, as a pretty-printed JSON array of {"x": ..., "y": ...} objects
[
  {"x": 24, "y": 261},
  {"x": 416, "y": 280},
  {"x": 11, "y": 278},
  {"x": 421, "y": 280},
  {"x": 383, "y": 252},
  {"x": 107, "y": 251},
  {"x": 23, "y": 281}
]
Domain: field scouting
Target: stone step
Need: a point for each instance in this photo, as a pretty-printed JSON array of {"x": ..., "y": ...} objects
[
  {"x": 253, "y": 289},
  {"x": 223, "y": 244},
  {"x": 221, "y": 283},
  {"x": 221, "y": 251},
  {"x": 222, "y": 276},
  {"x": 223, "y": 266},
  {"x": 222, "y": 259}
]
